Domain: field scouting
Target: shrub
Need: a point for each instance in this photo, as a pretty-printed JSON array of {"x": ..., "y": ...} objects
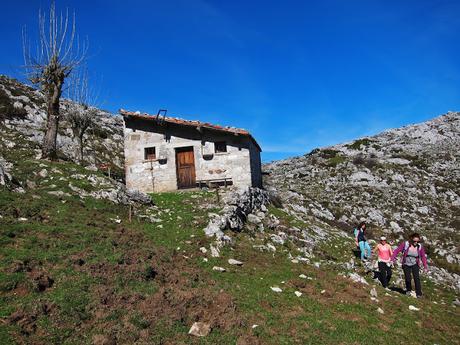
[
  {"x": 356, "y": 145},
  {"x": 275, "y": 200},
  {"x": 313, "y": 152},
  {"x": 369, "y": 163},
  {"x": 328, "y": 153},
  {"x": 358, "y": 160},
  {"x": 8, "y": 110},
  {"x": 99, "y": 132},
  {"x": 332, "y": 162}
]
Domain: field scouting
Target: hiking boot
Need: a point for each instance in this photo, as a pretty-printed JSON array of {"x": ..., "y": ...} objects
[{"x": 411, "y": 293}]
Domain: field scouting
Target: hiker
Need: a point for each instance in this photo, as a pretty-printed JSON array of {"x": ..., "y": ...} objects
[
  {"x": 384, "y": 253},
  {"x": 355, "y": 232},
  {"x": 413, "y": 252},
  {"x": 361, "y": 242}
]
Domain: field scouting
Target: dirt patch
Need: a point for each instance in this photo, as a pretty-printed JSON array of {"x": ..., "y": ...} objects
[
  {"x": 135, "y": 293},
  {"x": 184, "y": 293},
  {"x": 340, "y": 290},
  {"x": 21, "y": 266},
  {"x": 248, "y": 340},
  {"x": 100, "y": 339},
  {"x": 188, "y": 306},
  {"x": 42, "y": 281},
  {"x": 26, "y": 321},
  {"x": 294, "y": 312}
]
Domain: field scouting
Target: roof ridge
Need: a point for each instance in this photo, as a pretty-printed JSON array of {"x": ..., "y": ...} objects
[{"x": 186, "y": 121}]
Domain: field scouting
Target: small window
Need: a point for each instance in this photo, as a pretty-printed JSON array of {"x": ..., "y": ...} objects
[
  {"x": 149, "y": 153},
  {"x": 220, "y": 146}
]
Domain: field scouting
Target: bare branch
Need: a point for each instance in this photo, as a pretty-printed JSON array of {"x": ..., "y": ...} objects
[{"x": 58, "y": 54}]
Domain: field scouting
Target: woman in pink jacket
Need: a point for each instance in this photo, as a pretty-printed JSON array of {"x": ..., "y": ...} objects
[
  {"x": 384, "y": 253},
  {"x": 413, "y": 252}
]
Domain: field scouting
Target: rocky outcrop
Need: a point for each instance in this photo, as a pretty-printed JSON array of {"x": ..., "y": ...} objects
[
  {"x": 240, "y": 206},
  {"x": 22, "y": 109},
  {"x": 5, "y": 177},
  {"x": 400, "y": 181},
  {"x": 105, "y": 188}
]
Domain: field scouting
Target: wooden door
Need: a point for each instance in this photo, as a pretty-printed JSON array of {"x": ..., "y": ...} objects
[{"x": 185, "y": 167}]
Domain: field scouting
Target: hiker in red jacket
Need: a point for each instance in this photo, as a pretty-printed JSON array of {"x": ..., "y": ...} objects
[{"x": 413, "y": 252}]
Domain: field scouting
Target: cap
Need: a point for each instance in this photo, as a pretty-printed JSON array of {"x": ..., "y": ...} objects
[{"x": 383, "y": 238}]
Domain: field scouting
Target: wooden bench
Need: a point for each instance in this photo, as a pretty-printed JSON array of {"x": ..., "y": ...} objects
[{"x": 227, "y": 181}]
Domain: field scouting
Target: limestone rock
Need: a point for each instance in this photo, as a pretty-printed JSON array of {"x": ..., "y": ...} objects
[
  {"x": 252, "y": 218},
  {"x": 373, "y": 292},
  {"x": 219, "y": 269},
  {"x": 357, "y": 278},
  {"x": 239, "y": 209},
  {"x": 235, "y": 262},
  {"x": 200, "y": 329},
  {"x": 5, "y": 176},
  {"x": 214, "y": 251},
  {"x": 43, "y": 173}
]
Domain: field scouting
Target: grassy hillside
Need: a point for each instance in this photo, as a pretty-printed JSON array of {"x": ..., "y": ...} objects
[
  {"x": 75, "y": 270},
  {"x": 138, "y": 283}
]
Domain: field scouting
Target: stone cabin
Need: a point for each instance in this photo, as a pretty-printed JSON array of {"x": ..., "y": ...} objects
[{"x": 166, "y": 154}]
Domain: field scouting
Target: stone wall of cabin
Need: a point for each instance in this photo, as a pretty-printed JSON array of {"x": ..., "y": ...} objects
[
  {"x": 256, "y": 166},
  {"x": 159, "y": 175}
]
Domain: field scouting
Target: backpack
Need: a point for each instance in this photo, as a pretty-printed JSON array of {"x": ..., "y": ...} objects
[
  {"x": 361, "y": 236},
  {"x": 407, "y": 244}
]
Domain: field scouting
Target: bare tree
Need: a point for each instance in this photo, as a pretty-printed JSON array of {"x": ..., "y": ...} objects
[
  {"x": 81, "y": 112},
  {"x": 58, "y": 52}
]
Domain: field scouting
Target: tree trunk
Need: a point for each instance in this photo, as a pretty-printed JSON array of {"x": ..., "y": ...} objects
[
  {"x": 80, "y": 147},
  {"x": 49, "y": 149}
]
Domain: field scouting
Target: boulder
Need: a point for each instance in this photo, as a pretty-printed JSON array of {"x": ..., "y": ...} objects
[
  {"x": 357, "y": 278},
  {"x": 235, "y": 262},
  {"x": 5, "y": 176},
  {"x": 218, "y": 269},
  {"x": 215, "y": 253},
  {"x": 373, "y": 292},
  {"x": 200, "y": 329},
  {"x": 239, "y": 209},
  {"x": 252, "y": 218}
]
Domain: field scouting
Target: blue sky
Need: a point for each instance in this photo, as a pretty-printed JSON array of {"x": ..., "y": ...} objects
[{"x": 297, "y": 74}]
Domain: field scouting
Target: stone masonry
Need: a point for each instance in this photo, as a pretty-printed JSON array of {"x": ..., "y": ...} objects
[{"x": 162, "y": 137}]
